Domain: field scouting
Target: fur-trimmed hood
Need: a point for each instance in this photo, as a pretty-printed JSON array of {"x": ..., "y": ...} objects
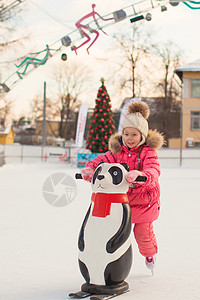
[{"x": 155, "y": 140}]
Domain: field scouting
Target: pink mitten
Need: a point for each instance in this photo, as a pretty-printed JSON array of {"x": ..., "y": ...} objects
[
  {"x": 132, "y": 175},
  {"x": 87, "y": 174}
]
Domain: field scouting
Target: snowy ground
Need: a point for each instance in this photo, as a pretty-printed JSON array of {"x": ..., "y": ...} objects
[{"x": 38, "y": 241}]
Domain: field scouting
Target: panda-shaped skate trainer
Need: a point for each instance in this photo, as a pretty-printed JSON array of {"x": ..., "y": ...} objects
[{"x": 105, "y": 251}]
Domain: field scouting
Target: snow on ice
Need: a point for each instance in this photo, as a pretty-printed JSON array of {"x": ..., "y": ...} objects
[{"x": 38, "y": 252}]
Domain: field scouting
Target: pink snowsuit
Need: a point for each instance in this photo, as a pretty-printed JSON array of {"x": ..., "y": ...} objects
[{"x": 144, "y": 199}]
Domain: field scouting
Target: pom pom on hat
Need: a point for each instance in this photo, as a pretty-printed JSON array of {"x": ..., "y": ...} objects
[
  {"x": 140, "y": 107},
  {"x": 138, "y": 113}
]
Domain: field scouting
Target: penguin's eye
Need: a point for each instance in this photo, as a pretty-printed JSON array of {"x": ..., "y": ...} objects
[{"x": 116, "y": 174}]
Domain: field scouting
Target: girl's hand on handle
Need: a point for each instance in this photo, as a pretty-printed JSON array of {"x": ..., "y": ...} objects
[
  {"x": 87, "y": 174},
  {"x": 132, "y": 176}
]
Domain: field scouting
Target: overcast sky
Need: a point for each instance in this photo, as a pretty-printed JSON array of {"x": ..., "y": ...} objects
[{"x": 47, "y": 21}]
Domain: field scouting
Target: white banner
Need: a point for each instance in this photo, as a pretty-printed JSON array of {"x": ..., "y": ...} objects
[
  {"x": 125, "y": 111},
  {"x": 80, "y": 129}
]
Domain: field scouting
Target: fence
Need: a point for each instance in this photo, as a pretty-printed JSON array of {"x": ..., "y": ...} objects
[{"x": 34, "y": 154}]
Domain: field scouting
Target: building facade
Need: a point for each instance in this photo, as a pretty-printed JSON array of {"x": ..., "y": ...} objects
[{"x": 190, "y": 124}]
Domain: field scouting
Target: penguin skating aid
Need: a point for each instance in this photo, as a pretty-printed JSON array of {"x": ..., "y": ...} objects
[{"x": 105, "y": 249}]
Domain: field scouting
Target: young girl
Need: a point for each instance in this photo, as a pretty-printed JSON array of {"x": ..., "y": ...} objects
[{"x": 137, "y": 147}]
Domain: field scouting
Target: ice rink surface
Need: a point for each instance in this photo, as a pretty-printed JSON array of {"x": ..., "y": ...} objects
[{"x": 38, "y": 240}]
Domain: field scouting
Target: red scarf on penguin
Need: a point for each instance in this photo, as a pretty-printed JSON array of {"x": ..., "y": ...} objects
[{"x": 103, "y": 201}]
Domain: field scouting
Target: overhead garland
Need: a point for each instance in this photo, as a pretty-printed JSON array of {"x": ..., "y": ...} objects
[
  {"x": 82, "y": 27},
  {"x": 84, "y": 31},
  {"x": 32, "y": 59},
  {"x": 193, "y": 2}
]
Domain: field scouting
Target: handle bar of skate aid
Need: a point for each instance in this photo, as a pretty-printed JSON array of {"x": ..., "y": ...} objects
[
  {"x": 138, "y": 179},
  {"x": 78, "y": 176}
]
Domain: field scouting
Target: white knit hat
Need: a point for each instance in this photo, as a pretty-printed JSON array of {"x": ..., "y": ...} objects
[{"x": 138, "y": 113}]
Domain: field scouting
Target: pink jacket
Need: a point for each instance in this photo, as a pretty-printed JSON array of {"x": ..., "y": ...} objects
[{"x": 144, "y": 199}]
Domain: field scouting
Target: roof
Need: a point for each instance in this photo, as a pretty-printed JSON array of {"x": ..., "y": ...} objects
[
  {"x": 6, "y": 130},
  {"x": 191, "y": 67}
]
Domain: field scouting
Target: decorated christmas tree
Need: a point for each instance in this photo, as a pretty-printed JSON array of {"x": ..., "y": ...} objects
[{"x": 102, "y": 122}]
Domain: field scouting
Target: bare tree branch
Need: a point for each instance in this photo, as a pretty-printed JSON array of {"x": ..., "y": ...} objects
[{"x": 134, "y": 50}]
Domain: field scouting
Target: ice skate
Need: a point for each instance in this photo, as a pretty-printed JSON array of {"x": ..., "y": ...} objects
[{"x": 150, "y": 263}]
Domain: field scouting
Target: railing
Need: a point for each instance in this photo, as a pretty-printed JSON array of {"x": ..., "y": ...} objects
[
  {"x": 37, "y": 154},
  {"x": 33, "y": 154}
]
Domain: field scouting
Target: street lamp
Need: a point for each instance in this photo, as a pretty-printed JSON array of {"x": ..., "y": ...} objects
[
  {"x": 181, "y": 116},
  {"x": 181, "y": 125},
  {"x": 44, "y": 117}
]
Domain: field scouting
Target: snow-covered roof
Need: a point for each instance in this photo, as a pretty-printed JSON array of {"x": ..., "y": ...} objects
[
  {"x": 6, "y": 130},
  {"x": 191, "y": 67}
]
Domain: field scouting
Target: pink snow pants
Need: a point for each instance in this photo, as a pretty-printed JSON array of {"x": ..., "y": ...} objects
[{"x": 145, "y": 239}]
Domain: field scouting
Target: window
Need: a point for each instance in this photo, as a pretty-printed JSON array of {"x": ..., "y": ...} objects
[
  {"x": 195, "y": 88},
  {"x": 197, "y": 145},
  {"x": 195, "y": 120}
]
